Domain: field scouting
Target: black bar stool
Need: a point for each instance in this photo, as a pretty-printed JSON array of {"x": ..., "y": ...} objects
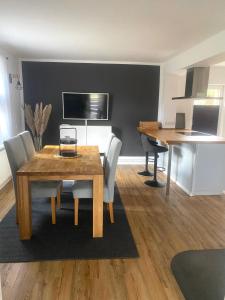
[
  {"x": 156, "y": 149},
  {"x": 152, "y": 125},
  {"x": 148, "y": 152}
]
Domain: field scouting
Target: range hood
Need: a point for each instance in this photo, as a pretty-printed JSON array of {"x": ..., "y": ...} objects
[{"x": 197, "y": 84}]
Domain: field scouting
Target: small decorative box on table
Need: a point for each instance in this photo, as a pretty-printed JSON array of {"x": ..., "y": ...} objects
[{"x": 68, "y": 142}]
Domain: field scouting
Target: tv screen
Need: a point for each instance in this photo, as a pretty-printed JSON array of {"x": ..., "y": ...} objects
[{"x": 85, "y": 106}]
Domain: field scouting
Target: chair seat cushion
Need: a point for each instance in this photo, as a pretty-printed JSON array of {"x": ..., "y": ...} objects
[
  {"x": 67, "y": 185},
  {"x": 44, "y": 189},
  {"x": 161, "y": 149},
  {"x": 156, "y": 147},
  {"x": 84, "y": 189}
]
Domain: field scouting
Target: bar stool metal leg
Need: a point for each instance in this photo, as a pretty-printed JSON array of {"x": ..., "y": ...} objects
[
  {"x": 155, "y": 182},
  {"x": 146, "y": 172}
]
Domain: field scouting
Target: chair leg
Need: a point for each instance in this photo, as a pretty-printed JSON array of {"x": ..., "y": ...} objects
[
  {"x": 53, "y": 210},
  {"x": 16, "y": 193},
  {"x": 59, "y": 196},
  {"x": 111, "y": 212},
  {"x": 76, "y": 208}
]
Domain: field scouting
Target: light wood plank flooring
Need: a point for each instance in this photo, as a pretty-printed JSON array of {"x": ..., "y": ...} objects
[{"x": 161, "y": 228}]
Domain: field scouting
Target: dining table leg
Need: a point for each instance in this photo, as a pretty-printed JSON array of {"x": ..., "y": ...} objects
[
  {"x": 98, "y": 206},
  {"x": 24, "y": 207},
  {"x": 169, "y": 170}
]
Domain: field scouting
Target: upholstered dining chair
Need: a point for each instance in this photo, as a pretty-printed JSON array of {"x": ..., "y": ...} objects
[
  {"x": 108, "y": 143},
  {"x": 17, "y": 157},
  {"x": 28, "y": 144},
  {"x": 84, "y": 189},
  {"x": 30, "y": 152}
]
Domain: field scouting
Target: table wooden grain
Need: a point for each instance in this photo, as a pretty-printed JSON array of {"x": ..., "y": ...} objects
[
  {"x": 172, "y": 137},
  {"x": 47, "y": 165}
]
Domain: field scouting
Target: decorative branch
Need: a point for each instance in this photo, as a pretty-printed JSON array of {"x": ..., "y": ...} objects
[{"x": 37, "y": 121}]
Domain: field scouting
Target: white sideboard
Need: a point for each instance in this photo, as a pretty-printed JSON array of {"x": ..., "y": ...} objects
[{"x": 90, "y": 135}]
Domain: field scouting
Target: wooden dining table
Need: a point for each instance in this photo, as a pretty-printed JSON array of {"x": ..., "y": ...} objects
[{"x": 48, "y": 165}]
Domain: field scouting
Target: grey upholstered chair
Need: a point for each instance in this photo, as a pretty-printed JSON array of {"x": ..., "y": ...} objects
[
  {"x": 28, "y": 144},
  {"x": 30, "y": 152},
  {"x": 17, "y": 157},
  {"x": 84, "y": 189},
  {"x": 108, "y": 143},
  {"x": 111, "y": 136}
]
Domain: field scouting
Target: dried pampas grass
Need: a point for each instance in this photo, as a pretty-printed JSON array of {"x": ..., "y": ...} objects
[{"x": 37, "y": 121}]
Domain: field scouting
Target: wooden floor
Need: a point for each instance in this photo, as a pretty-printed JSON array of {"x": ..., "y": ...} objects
[{"x": 161, "y": 228}]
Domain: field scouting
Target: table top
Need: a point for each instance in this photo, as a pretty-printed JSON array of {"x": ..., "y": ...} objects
[
  {"x": 172, "y": 136},
  {"x": 47, "y": 162}
]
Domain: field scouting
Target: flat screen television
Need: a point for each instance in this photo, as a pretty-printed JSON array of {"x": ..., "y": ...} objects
[{"x": 85, "y": 106}]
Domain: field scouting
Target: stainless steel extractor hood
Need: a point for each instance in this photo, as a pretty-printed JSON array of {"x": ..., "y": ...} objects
[{"x": 196, "y": 84}]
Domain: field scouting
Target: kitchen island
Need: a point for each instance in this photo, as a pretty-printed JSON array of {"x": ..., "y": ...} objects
[{"x": 196, "y": 161}]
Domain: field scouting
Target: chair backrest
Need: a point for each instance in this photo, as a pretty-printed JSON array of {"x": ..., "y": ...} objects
[
  {"x": 16, "y": 155},
  {"x": 111, "y": 164},
  {"x": 28, "y": 144},
  {"x": 153, "y": 125},
  {"x": 108, "y": 143},
  {"x": 146, "y": 145}
]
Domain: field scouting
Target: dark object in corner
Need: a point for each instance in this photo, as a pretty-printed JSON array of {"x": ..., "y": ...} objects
[{"x": 200, "y": 274}]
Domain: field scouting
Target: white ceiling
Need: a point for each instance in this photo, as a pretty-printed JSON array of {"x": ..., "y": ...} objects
[{"x": 112, "y": 30}]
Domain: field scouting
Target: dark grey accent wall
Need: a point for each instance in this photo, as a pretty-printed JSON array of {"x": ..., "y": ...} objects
[{"x": 133, "y": 89}]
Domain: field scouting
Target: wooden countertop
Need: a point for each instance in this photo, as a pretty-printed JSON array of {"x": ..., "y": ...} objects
[{"x": 172, "y": 136}]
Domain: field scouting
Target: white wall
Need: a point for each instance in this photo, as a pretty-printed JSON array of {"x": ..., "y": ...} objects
[
  {"x": 174, "y": 86},
  {"x": 208, "y": 52},
  {"x": 5, "y": 170},
  {"x": 13, "y": 68},
  {"x": 217, "y": 76}
]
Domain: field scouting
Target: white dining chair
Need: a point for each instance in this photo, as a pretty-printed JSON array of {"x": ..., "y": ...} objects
[
  {"x": 41, "y": 189},
  {"x": 84, "y": 189},
  {"x": 28, "y": 144}
]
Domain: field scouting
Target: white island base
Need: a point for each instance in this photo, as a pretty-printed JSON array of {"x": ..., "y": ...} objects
[{"x": 199, "y": 169}]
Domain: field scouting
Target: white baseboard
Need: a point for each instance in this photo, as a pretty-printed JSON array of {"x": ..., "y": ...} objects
[
  {"x": 136, "y": 160},
  {"x": 5, "y": 182},
  {"x": 131, "y": 160},
  {"x": 183, "y": 188}
]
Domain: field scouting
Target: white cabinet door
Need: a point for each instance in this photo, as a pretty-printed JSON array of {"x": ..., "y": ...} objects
[{"x": 98, "y": 135}]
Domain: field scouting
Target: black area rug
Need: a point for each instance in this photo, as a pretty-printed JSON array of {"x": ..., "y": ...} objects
[
  {"x": 64, "y": 240},
  {"x": 200, "y": 274}
]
